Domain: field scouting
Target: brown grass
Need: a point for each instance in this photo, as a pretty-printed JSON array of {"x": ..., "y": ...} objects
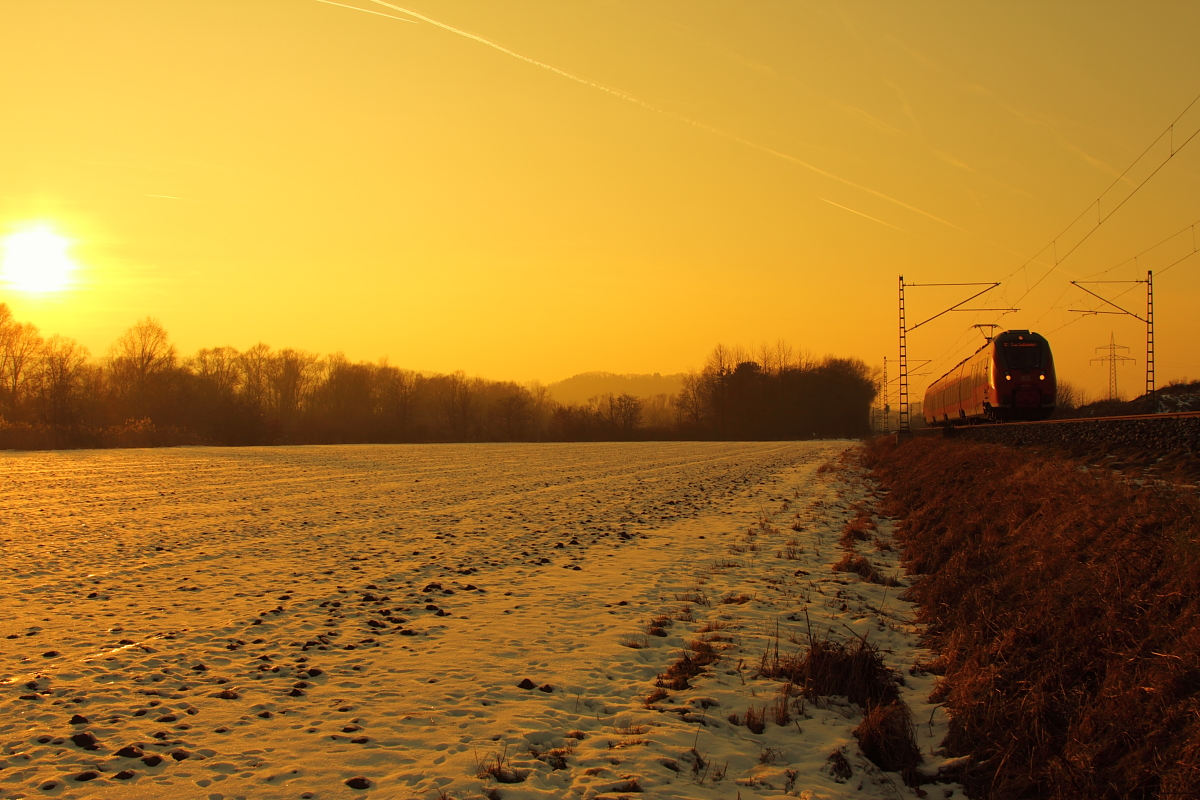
[
  {"x": 688, "y": 666},
  {"x": 853, "y": 562},
  {"x": 714, "y": 625},
  {"x": 755, "y": 719},
  {"x": 629, "y": 785},
  {"x": 887, "y": 737},
  {"x": 791, "y": 550},
  {"x": 858, "y": 529},
  {"x": 693, "y": 597},
  {"x": 828, "y": 667},
  {"x": 498, "y": 767},
  {"x": 658, "y": 625},
  {"x": 624, "y": 743},
  {"x": 1066, "y": 606}
]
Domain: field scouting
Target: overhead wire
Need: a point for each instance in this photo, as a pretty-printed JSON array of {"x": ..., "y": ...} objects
[
  {"x": 956, "y": 348},
  {"x": 1100, "y": 217}
]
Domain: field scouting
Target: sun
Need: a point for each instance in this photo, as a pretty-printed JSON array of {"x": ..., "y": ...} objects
[{"x": 36, "y": 260}]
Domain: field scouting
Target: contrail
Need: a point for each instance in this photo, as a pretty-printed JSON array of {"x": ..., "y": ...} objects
[
  {"x": 671, "y": 114},
  {"x": 868, "y": 216},
  {"x": 366, "y": 11}
]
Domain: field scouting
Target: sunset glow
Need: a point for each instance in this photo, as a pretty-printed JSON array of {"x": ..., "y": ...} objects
[
  {"x": 36, "y": 261},
  {"x": 534, "y": 190}
]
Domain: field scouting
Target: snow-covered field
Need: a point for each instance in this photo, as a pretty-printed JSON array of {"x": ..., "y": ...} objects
[{"x": 279, "y": 622}]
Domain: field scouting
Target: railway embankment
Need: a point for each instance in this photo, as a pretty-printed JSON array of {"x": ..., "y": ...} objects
[
  {"x": 1065, "y": 606},
  {"x": 1164, "y": 444}
]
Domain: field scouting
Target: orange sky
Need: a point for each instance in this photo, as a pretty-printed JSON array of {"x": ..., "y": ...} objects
[{"x": 307, "y": 175}]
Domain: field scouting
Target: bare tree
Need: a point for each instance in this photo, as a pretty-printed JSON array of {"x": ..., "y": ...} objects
[
  {"x": 19, "y": 347},
  {"x": 515, "y": 412},
  {"x": 456, "y": 406},
  {"x": 398, "y": 398},
  {"x": 690, "y": 403},
  {"x": 656, "y": 410},
  {"x": 137, "y": 359},
  {"x": 1070, "y": 397},
  {"x": 292, "y": 375},
  {"x": 628, "y": 413},
  {"x": 218, "y": 366},
  {"x": 622, "y": 413},
  {"x": 62, "y": 363}
]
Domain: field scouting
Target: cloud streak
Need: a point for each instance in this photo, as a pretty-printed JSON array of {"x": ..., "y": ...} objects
[
  {"x": 861, "y": 214},
  {"x": 368, "y": 11},
  {"x": 629, "y": 98}
]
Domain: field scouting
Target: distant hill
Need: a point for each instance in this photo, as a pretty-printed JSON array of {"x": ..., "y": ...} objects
[{"x": 578, "y": 388}]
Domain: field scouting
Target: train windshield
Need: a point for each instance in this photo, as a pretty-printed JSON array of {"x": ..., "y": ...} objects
[{"x": 1022, "y": 355}]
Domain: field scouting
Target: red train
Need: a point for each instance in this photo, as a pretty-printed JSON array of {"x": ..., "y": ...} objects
[{"x": 1009, "y": 378}]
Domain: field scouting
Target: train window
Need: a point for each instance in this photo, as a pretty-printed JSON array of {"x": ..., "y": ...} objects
[{"x": 1023, "y": 355}]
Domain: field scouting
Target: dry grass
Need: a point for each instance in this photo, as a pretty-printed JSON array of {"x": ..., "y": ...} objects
[
  {"x": 1066, "y": 607},
  {"x": 658, "y": 626},
  {"x": 655, "y": 696},
  {"x": 887, "y": 737},
  {"x": 791, "y": 550},
  {"x": 629, "y": 785},
  {"x": 556, "y": 757},
  {"x": 790, "y": 698},
  {"x": 738, "y": 599},
  {"x": 858, "y": 529},
  {"x": 853, "y": 562},
  {"x": 688, "y": 666},
  {"x": 771, "y": 755},
  {"x": 698, "y": 598},
  {"x": 630, "y": 742},
  {"x": 828, "y": 667},
  {"x": 498, "y": 767},
  {"x": 635, "y": 642},
  {"x": 714, "y": 625},
  {"x": 755, "y": 719}
]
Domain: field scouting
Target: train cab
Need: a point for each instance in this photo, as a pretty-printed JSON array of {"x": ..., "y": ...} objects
[{"x": 1010, "y": 378}]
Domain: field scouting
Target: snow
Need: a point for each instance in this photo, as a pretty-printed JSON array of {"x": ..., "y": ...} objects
[{"x": 424, "y": 583}]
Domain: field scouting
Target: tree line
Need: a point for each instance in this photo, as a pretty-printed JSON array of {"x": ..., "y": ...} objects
[{"x": 53, "y": 394}]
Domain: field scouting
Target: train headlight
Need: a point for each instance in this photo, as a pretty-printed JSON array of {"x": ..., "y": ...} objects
[{"x": 1007, "y": 376}]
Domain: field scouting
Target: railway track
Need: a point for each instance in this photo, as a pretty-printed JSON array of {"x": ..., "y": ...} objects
[
  {"x": 1144, "y": 438},
  {"x": 941, "y": 430}
]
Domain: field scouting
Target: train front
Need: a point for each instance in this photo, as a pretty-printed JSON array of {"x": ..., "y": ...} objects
[{"x": 1023, "y": 377}]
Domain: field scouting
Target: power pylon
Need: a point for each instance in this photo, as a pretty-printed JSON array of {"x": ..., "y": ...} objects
[{"x": 1113, "y": 359}]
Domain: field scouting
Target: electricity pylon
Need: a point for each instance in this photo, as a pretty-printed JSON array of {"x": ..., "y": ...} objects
[{"x": 1113, "y": 359}]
